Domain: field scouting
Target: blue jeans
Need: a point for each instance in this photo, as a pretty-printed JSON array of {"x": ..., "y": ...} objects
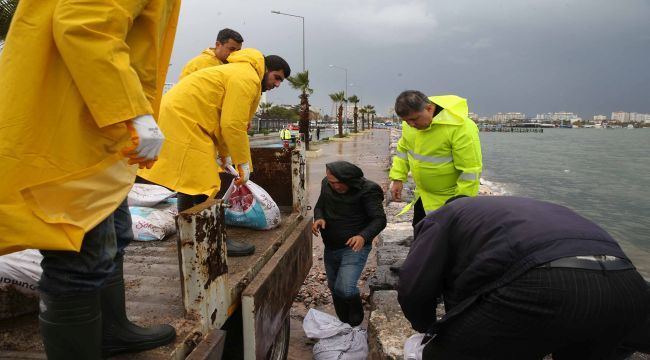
[
  {"x": 69, "y": 272},
  {"x": 343, "y": 268}
]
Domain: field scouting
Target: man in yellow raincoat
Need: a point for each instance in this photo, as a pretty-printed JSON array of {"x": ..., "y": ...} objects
[
  {"x": 206, "y": 117},
  {"x": 228, "y": 41},
  {"x": 81, "y": 83},
  {"x": 441, "y": 149}
]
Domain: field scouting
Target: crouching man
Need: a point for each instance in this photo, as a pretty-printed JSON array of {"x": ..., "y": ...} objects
[
  {"x": 349, "y": 214},
  {"x": 521, "y": 279}
]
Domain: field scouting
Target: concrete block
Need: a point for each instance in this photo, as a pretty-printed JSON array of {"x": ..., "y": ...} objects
[
  {"x": 388, "y": 329},
  {"x": 383, "y": 279},
  {"x": 396, "y": 233}
]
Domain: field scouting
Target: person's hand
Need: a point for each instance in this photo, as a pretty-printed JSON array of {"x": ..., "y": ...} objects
[
  {"x": 146, "y": 139},
  {"x": 396, "y": 190},
  {"x": 317, "y": 225},
  {"x": 356, "y": 242},
  {"x": 244, "y": 171},
  {"x": 224, "y": 161}
]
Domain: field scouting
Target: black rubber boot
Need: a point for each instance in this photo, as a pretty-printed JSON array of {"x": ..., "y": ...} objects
[
  {"x": 341, "y": 308},
  {"x": 71, "y": 326},
  {"x": 119, "y": 334},
  {"x": 236, "y": 248},
  {"x": 355, "y": 310}
]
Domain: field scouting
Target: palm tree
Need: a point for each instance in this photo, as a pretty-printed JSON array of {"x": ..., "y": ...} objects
[
  {"x": 363, "y": 113},
  {"x": 355, "y": 100},
  {"x": 368, "y": 109},
  {"x": 339, "y": 98},
  {"x": 7, "y": 10},
  {"x": 371, "y": 112},
  {"x": 300, "y": 81}
]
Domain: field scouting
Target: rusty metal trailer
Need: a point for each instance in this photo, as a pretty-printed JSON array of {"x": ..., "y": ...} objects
[{"x": 216, "y": 303}]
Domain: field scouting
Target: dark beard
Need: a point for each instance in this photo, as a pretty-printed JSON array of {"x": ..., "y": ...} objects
[{"x": 264, "y": 78}]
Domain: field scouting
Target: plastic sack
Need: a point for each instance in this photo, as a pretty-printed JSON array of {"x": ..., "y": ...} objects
[
  {"x": 19, "y": 275},
  {"x": 148, "y": 195},
  {"x": 337, "y": 340},
  {"x": 250, "y": 206},
  {"x": 413, "y": 347},
  {"x": 154, "y": 223}
]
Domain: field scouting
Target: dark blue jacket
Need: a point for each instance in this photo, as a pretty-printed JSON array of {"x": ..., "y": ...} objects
[{"x": 475, "y": 245}]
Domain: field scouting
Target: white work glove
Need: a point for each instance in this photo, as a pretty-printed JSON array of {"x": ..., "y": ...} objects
[
  {"x": 224, "y": 161},
  {"x": 147, "y": 140},
  {"x": 244, "y": 171}
]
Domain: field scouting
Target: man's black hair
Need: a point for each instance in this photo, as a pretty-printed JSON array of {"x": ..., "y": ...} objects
[
  {"x": 410, "y": 101},
  {"x": 274, "y": 63},
  {"x": 225, "y": 34}
]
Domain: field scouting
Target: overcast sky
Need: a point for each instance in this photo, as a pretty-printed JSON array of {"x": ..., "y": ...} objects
[{"x": 532, "y": 56}]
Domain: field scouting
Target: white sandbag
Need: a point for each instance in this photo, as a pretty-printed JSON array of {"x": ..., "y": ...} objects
[
  {"x": 338, "y": 340},
  {"x": 413, "y": 347},
  {"x": 19, "y": 275},
  {"x": 154, "y": 223},
  {"x": 148, "y": 195},
  {"x": 250, "y": 206}
]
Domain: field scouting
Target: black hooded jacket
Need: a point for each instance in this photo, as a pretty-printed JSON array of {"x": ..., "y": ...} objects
[{"x": 359, "y": 211}]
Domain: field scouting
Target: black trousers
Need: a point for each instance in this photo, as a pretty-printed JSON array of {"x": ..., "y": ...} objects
[
  {"x": 570, "y": 313},
  {"x": 418, "y": 212}
]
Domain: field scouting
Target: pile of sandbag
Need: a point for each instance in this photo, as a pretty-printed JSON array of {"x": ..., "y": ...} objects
[{"x": 153, "y": 212}]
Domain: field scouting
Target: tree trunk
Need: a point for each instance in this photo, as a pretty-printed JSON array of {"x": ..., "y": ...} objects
[
  {"x": 355, "y": 115},
  {"x": 340, "y": 120},
  {"x": 363, "y": 124},
  {"x": 304, "y": 118}
]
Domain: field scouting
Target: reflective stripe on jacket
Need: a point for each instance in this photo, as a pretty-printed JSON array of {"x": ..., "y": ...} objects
[
  {"x": 72, "y": 73},
  {"x": 444, "y": 159}
]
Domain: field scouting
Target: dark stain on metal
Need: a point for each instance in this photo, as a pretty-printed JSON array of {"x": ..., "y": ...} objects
[
  {"x": 270, "y": 169},
  {"x": 210, "y": 228},
  {"x": 213, "y": 316}
]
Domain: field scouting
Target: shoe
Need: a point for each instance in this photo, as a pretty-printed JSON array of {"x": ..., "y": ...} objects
[
  {"x": 119, "y": 335},
  {"x": 236, "y": 248},
  {"x": 71, "y": 326},
  {"x": 341, "y": 308},
  {"x": 355, "y": 311}
]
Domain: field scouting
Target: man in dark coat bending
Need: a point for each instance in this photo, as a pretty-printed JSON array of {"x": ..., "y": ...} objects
[
  {"x": 349, "y": 214},
  {"x": 520, "y": 279}
]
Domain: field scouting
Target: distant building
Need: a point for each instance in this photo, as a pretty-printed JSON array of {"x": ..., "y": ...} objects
[
  {"x": 599, "y": 118},
  {"x": 473, "y": 116},
  {"x": 509, "y": 116},
  {"x": 621, "y": 116},
  {"x": 167, "y": 86}
]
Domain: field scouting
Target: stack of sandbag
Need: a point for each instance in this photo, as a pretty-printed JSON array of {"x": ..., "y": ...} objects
[
  {"x": 153, "y": 212},
  {"x": 19, "y": 274},
  {"x": 337, "y": 340}
]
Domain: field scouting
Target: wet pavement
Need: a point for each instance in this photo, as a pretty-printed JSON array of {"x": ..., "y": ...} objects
[{"x": 370, "y": 152}]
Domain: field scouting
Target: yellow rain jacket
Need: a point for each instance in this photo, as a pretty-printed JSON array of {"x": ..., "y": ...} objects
[
  {"x": 71, "y": 74},
  {"x": 444, "y": 159},
  {"x": 203, "y": 60},
  {"x": 206, "y": 115}
]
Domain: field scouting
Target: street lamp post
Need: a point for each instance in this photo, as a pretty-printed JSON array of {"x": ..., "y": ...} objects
[
  {"x": 345, "y": 95},
  {"x": 303, "y": 33}
]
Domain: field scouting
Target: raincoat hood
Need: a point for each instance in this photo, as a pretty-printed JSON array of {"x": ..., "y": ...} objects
[
  {"x": 456, "y": 108},
  {"x": 251, "y": 56},
  {"x": 347, "y": 173}
]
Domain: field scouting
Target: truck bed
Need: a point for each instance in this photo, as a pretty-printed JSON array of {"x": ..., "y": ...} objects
[{"x": 153, "y": 288}]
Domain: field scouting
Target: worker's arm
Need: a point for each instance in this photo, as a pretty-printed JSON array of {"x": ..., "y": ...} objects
[
  {"x": 466, "y": 151},
  {"x": 399, "y": 170},
  {"x": 421, "y": 275},
  {"x": 239, "y": 96}
]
